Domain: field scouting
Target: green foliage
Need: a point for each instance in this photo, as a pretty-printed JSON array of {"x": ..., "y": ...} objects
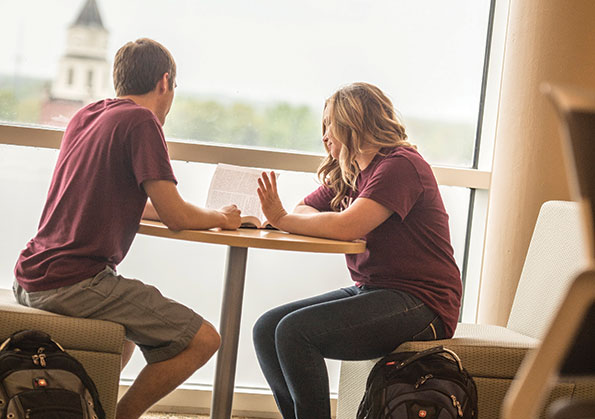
[
  {"x": 442, "y": 142},
  {"x": 8, "y": 105},
  {"x": 297, "y": 127},
  {"x": 28, "y": 110},
  {"x": 279, "y": 125},
  {"x": 21, "y": 99}
]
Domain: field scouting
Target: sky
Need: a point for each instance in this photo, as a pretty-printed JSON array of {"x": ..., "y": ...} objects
[{"x": 427, "y": 55}]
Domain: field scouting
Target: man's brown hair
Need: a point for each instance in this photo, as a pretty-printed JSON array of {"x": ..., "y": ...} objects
[{"x": 139, "y": 65}]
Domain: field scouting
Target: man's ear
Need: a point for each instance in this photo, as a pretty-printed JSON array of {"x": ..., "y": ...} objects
[{"x": 163, "y": 83}]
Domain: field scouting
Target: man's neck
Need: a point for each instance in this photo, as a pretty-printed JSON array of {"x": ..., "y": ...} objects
[{"x": 148, "y": 100}]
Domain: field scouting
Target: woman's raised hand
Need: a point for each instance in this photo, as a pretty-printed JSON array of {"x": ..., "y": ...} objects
[{"x": 272, "y": 207}]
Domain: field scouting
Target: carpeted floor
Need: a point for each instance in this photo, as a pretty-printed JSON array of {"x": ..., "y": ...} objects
[{"x": 158, "y": 415}]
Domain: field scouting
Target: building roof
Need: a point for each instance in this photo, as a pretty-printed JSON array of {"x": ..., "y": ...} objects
[{"x": 89, "y": 15}]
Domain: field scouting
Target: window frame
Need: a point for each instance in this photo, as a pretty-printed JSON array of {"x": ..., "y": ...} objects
[{"x": 200, "y": 152}]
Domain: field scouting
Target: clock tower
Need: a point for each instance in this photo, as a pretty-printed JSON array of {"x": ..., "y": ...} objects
[{"x": 84, "y": 72}]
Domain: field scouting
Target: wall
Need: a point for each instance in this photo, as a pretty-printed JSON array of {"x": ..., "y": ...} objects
[{"x": 546, "y": 41}]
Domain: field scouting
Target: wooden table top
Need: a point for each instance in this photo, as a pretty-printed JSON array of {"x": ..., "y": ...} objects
[{"x": 257, "y": 238}]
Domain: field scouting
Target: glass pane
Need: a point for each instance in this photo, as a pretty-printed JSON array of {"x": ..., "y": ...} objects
[
  {"x": 193, "y": 273},
  {"x": 257, "y": 73},
  {"x": 25, "y": 175}
]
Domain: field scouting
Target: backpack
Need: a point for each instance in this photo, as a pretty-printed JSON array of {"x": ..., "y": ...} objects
[
  {"x": 427, "y": 384},
  {"x": 38, "y": 379}
]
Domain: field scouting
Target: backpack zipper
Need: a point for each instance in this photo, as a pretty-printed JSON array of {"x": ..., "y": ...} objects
[
  {"x": 456, "y": 404},
  {"x": 422, "y": 380},
  {"x": 39, "y": 357}
]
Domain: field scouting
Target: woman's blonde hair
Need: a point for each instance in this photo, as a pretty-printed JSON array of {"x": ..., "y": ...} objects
[{"x": 360, "y": 116}]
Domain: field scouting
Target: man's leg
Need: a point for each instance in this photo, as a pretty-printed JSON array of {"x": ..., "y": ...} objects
[
  {"x": 160, "y": 378},
  {"x": 174, "y": 340}
]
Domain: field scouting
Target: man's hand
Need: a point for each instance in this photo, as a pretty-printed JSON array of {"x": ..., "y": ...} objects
[
  {"x": 271, "y": 205},
  {"x": 231, "y": 214},
  {"x": 177, "y": 214}
]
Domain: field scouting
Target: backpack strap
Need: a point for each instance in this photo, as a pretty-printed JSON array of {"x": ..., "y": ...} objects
[
  {"x": 30, "y": 339},
  {"x": 431, "y": 351}
]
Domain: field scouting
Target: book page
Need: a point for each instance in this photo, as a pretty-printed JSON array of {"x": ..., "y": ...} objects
[{"x": 235, "y": 185}]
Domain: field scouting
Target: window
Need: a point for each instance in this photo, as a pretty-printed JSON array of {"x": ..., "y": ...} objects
[
  {"x": 258, "y": 73},
  {"x": 255, "y": 75}
]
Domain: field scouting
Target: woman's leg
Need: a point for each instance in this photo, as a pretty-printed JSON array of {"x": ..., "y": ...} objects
[
  {"x": 266, "y": 351},
  {"x": 367, "y": 325}
]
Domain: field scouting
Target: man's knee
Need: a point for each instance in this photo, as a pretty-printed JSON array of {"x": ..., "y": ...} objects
[{"x": 207, "y": 340}]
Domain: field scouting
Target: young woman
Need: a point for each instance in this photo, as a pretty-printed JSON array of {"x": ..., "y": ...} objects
[{"x": 376, "y": 187}]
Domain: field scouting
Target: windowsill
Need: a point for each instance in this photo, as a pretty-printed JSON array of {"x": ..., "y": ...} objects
[{"x": 241, "y": 156}]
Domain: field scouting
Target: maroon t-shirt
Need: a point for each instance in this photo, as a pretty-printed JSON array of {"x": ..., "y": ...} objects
[
  {"x": 411, "y": 250},
  {"x": 96, "y": 200}
]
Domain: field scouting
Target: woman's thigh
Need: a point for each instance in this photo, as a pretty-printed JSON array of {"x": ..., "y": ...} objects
[
  {"x": 368, "y": 324},
  {"x": 269, "y": 320}
]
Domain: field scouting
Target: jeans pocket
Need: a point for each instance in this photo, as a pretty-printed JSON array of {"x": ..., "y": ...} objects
[{"x": 429, "y": 332}]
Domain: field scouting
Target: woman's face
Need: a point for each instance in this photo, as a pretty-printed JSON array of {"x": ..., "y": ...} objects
[{"x": 332, "y": 145}]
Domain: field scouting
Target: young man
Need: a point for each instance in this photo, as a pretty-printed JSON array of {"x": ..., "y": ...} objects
[{"x": 113, "y": 156}]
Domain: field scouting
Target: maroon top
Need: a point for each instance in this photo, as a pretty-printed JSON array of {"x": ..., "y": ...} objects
[
  {"x": 95, "y": 201},
  {"x": 411, "y": 250}
]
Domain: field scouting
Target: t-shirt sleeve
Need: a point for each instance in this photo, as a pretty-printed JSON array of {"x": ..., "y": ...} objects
[
  {"x": 320, "y": 199},
  {"x": 395, "y": 184},
  {"x": 148, "y": 153}
]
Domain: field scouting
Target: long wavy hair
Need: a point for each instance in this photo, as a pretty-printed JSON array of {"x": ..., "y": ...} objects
[{"x": 360, "y": 117}]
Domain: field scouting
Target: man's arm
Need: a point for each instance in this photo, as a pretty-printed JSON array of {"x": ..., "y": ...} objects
[
  {"x": 150, "y": 213},
  {"x": 168, "y": 206}
]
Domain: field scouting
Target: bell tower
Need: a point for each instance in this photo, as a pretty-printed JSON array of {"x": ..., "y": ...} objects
[{"x": 84, "y": 72}]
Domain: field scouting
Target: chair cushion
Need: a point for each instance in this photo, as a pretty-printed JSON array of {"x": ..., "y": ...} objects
[
  {"x": 485, "y": 350},
  {"x": 70, "y": 332}
]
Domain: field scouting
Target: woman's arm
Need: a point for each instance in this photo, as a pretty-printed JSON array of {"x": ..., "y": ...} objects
[
  {"x": 362, "y": 216},
  {"x": 302, "y": 208}
]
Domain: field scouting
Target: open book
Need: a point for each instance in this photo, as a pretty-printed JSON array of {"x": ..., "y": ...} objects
[{"x": 237, "y": 185}]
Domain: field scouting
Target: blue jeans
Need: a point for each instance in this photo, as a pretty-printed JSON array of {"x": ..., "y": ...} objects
[{"x": 292, "y": 340}]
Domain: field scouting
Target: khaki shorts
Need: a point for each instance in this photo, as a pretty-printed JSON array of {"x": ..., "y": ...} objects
[{"x": 162, "y": 328}]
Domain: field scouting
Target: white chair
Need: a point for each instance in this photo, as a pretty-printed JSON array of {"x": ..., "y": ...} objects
[{"x": 493, "y": 354}]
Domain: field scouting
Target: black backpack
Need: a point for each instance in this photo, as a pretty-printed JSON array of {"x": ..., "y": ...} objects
[
  {"x": 39, "y": 380},
  {"x": 427, "y": 384}
]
